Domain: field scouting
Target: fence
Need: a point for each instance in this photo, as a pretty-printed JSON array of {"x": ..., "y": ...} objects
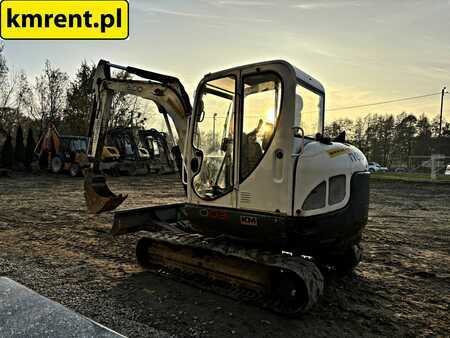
[{"x": 432, "y": 166}]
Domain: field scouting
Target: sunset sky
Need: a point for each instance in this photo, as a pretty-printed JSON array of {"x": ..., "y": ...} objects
[{"x": 361, "y": 51}]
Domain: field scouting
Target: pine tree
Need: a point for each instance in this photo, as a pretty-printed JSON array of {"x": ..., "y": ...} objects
[
  {"x": 7, "y": 153},
  {"x": 29, "y": 149},
  {"x": 19, "y": 150}
]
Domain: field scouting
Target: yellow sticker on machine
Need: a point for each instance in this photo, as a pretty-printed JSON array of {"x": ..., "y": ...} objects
[{"x": 337, "y": 152}]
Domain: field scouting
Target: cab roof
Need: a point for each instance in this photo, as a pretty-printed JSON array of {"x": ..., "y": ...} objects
[{"x": 298, "y": 73}]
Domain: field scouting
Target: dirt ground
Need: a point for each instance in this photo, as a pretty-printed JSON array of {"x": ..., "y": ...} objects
[{"x": 49, "y": 243}]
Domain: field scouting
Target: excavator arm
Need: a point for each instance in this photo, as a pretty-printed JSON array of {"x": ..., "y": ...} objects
[{"x": 166, "y": 92}]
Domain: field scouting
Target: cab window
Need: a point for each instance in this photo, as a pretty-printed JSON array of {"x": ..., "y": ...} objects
[
  {"x": 309, "y": 110},
  {"x": 262, "y": 101},
  {"x": 213, "y": 138}
]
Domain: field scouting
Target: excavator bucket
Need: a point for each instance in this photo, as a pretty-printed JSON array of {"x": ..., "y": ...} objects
[{"x": 99, "y": 198}]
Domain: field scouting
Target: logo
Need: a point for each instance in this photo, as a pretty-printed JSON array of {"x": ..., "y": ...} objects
[
  {"x": 249, "y": 220},
  {"x": 214, "y": 214},
  {"x": 64, "y": 19},
  {"x": 218, "y": 214},
  {"x": 355, "y": 157},
  {"x": 337, "y": 152}
]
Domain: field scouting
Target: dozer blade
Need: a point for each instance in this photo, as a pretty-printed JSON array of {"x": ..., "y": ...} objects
[{"x": 99, "y": 198}]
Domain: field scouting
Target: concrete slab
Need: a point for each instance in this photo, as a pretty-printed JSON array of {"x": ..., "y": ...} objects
[{"x": 25, "y": 313}]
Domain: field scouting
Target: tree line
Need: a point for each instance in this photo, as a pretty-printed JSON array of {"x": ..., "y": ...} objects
[
  {"x": 18, "y": 155},
  {"x": 393, "y": 140},
  {"x": 54, "y": 97}
]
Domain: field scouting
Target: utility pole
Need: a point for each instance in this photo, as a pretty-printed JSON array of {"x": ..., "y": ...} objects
[{"x": 442, "y": 109}]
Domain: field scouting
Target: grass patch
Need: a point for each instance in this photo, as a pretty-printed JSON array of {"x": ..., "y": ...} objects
[{"x": 409, "y": 177}]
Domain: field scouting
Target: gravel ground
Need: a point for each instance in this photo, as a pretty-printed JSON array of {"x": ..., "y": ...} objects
[{"x": 50, "y": 244}]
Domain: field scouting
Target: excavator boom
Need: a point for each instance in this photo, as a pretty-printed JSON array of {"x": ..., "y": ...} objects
[{"x": 165, "y": 91}]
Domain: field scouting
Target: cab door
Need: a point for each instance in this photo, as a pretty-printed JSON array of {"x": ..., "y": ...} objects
[
  {"x": 265, "y": 140},
  {"x": 213, "y": 143}
]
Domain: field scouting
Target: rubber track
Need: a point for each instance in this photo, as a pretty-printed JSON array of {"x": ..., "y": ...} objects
[{"x": 304, "y": 268}]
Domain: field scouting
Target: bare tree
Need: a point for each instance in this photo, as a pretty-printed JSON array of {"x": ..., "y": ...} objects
[
  {"x": 8, "y": 84},
  {"x": 50, "y": 88},
  {"x": 24, "y": 95},
  {"x": 10, "y": 81},
  {"x": 126, "y": 110},
  {"x": 79, "y": 101},
  {"x": 3, "y": 67}
]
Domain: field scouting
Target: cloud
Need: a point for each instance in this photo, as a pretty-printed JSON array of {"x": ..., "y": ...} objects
[
  {"x": 326, "y": 5},
  {"x": 436, "y": 71},
  {"x": 205, "y": 16},
  {"x": 244, "y": 3},
  {"x": 180, "y": 13},
  {"x": 237, "y": 3}
]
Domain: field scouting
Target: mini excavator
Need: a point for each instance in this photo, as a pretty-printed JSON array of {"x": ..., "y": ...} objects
[{"x": 269, "y": 199}]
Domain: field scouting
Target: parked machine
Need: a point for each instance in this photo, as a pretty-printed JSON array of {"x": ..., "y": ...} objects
[
  {"x": 141, "y": 151},
  {"x": 62, "y": 153},
  {"x": 69, "y": 153},
  {"x": 269, "y": 199},
  {"x": 134, "y": 160},
  {"x": 155, "y": 142}
]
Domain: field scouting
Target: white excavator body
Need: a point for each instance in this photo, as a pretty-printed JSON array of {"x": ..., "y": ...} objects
[{"x": 257, "y": 170}]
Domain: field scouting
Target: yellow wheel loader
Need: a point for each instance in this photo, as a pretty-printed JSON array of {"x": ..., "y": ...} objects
[
  {"x": 60, "y": 153},
  {"x": 269, "y": 199}
]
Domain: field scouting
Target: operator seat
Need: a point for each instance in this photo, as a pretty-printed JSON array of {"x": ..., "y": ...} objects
[{"x": 251, "y": 151}]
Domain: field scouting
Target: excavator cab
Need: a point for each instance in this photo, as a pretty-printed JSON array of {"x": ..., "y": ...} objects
[{"x": 255, "y": 131}]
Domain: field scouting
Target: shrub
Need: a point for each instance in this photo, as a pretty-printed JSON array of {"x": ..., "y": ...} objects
[
  {"x": 7, "y": 154},
  {"x": 29, "y": 149},
  {"x": 19, "y": 150}
]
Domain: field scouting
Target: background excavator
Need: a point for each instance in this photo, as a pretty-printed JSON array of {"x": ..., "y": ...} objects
[
  {"x": 141, "y": 151},
  {"x": 134, "y": 160},
  {"x": 157, "y": 145},
  {"x": 269, "y": 201}
]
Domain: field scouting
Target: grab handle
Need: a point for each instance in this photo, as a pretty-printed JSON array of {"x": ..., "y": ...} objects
[{"x": 296, "y": 130}]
